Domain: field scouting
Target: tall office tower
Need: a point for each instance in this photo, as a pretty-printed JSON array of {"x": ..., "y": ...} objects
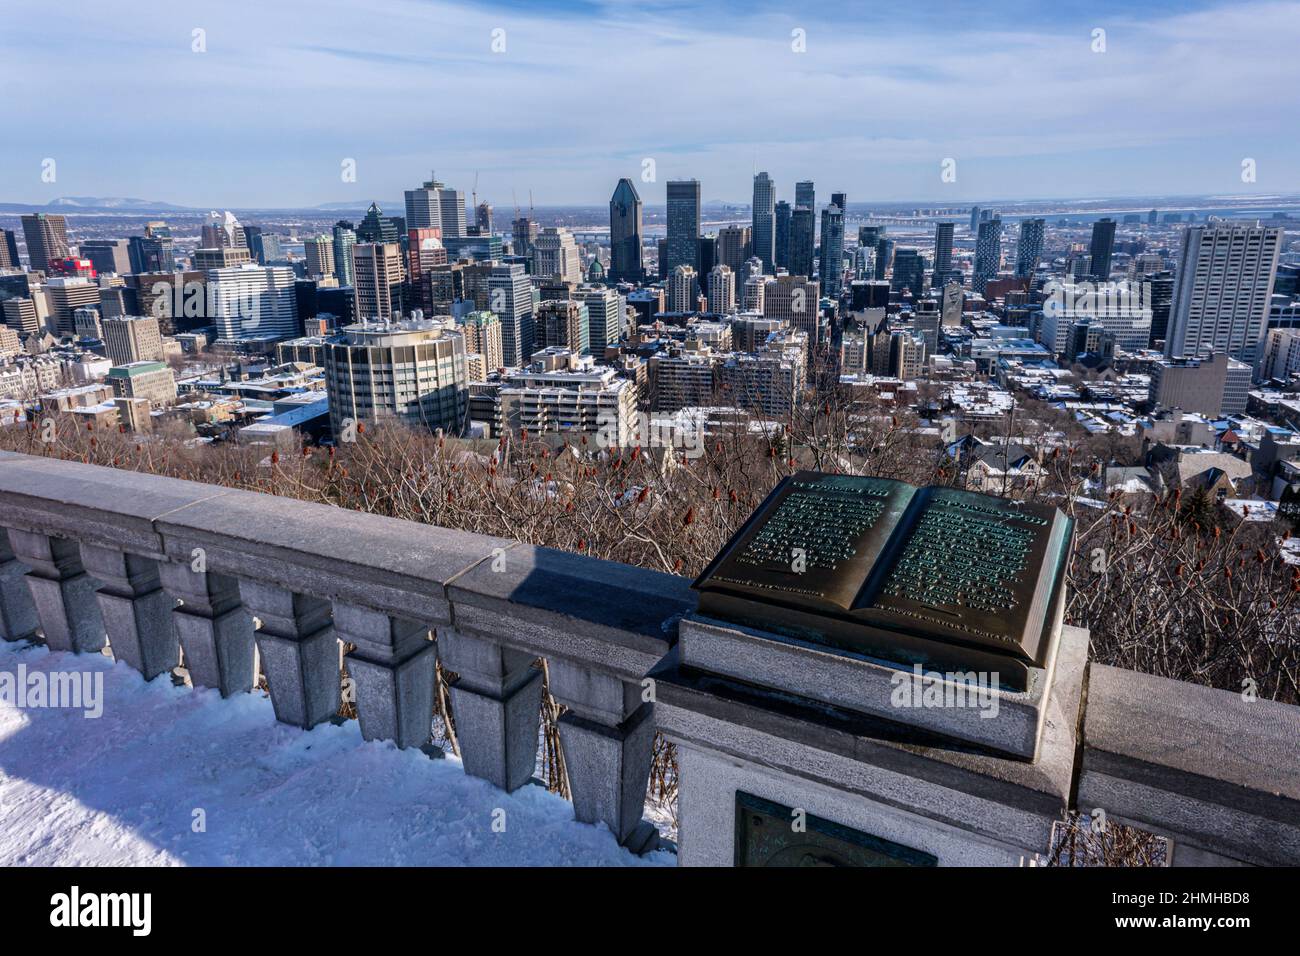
[
  {"x": 1161, "y": 292},
  {"x": 722, "y": 289},
  {"x": 251, "y": 301},
  {"x": 884, "y": 257},
  {"x": 942, "y": 249},
  {"x": 805, "y": 194},
  {"x": 47, "y": 238},
  {"x": 733, "y": 247},
  {"x": 523, "y": 233},
  {"x": 414, "y": 371},
  {"x": 107, "y": 255},
  {"x": 319, "y": 252},
  {"x": 841, "y": 200},
  {"x": 556, "y": 255},
  {"x": 625, "y": 234},
  {"x": 562, "y": 323},
  {"x": 483, "y": 218},
  {"x": 1221, "y": 297},
  {"x": 783, "y": 212},
  {"x": 682, "y": 287},
  {"x": 265, "y": 245},
  {"x": 435, "y": 206},
  {"x": 132, "y": 338},
  {"x": 802, "y": 241},
  {"x": 605, "y": 317},
  {"x": 683, "y": 224},
  {"x": 1103, "y": 247},
  {"x": 9, "y": 250},
  {"x": 1029, "y": 247},
  {"x": 988, "y": 253},
  {"x": 223, "y": 231},
  {"x": 376, "y": 227},
  {"x": 974, "y": 218},
  {"x": 377, "y": 280},
  {"x": 503, "y": 288},
  {"x": 909, "y": 272},
  {"x": 764, "y": 221},
  {"x": 344, "y": 239},
  {"x": 1152, "y": 217},
  {"x": 831, "y": 271},
  {"x": 708, "y": 256}
]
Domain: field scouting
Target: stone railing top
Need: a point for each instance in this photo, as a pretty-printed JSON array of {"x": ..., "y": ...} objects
[
  {"x": 1204, "y": 743},
  {"x": 608, "y": 615}
]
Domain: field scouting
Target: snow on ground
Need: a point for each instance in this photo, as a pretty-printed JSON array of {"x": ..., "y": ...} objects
[{"x": 124, "y": 788}]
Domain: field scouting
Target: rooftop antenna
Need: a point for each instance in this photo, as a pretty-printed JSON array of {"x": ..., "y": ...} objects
[
  {"x": 474, "y": 191},
  {"x": 515, "y": 199},
  {"x": 530, "y": 204}
]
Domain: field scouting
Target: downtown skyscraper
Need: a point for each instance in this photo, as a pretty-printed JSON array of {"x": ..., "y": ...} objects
[
  {"x": 1221, "y": 297},
  {"x": 1103, "y": 247},
  {"x": 831, "y": 269},
  {"x": 435, "y": 206},
  {"x": 942, "y": 250},
  {"x": 764, "y": 221},
  {"x": 625, "y": 234},
  {"x": 683, "y": 246},
  {"x": 1029, "y": 247},
  {"x": 988, "y": 253},
  {"x": 47, "y": 238}
]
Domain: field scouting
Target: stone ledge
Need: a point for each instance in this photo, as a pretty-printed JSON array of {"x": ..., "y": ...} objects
[
  {"x": 614, "y": 616},
  {"x": 1210, "y": 768}
]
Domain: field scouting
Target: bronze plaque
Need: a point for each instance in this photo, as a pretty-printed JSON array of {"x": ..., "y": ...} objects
[
  {"x": 946, "y": 578},
  {"x": 766, "y": 835}
]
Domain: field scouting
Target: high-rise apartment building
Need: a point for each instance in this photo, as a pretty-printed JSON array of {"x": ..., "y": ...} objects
[
  {"x": 504, "y": 289},
  {"x": 803, "y": 231},
  {"x": 562, "y": 323},
  {"x": 482, "y": 331},
  {"x": 722, "y": 290},
  {"x": 942, "y": 250},
  {"x": 682, "y": 285},
  {"x": 625, "y": 234},
  {"x": 1029, "y": 247},
  {"x": 988, "y": 253},
  {"x": 344, "y": 239},
  {"x": 605, "y": 316},
  {"x": 734, "y": 246},
  {"x": 66, "y": 295},
  {"x": 831, "y": 271},
  {"x": 1221, "y": 295},
  {"x": 764, "y": 221}
]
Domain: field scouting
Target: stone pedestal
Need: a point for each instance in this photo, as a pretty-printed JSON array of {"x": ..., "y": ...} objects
[
  {"x": 300, "y": 653},
  {"x": 496, "y": 702},
  {"x": 18, "y": 619},
  {"x": 909, "y": 782},
  {"x": 392, "y": 669},
  {"x": 608, "y": 739},
  {"x": 135, "y": 608},
  {"x": 62, "y": 592},
  {"x": 214, "y": 629}
]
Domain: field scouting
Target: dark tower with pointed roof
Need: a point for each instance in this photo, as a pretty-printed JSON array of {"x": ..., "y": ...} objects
[{"x": 625, "y": 234}]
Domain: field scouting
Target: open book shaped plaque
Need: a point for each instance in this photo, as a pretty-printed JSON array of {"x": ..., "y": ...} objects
[{"x": 953, "y": 580}]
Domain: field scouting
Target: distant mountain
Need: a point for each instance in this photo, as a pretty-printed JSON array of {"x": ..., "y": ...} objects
[{"x": 95, "y": 204}]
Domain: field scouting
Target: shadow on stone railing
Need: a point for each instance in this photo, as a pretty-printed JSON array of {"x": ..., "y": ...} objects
[{"x": 158, "y": 565}]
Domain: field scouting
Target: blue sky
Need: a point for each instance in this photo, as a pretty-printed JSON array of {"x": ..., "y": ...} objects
[{"x": 586, "y": 91}]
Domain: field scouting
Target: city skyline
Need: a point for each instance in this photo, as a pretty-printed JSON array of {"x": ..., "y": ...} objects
[{"x": 268, "y": 115}]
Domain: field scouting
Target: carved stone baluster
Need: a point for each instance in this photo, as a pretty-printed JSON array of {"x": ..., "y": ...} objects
[
  {"x": 64, "y": 594},
  {"x": 392, "y": 668},
  {"x": 300, "y": 653}
]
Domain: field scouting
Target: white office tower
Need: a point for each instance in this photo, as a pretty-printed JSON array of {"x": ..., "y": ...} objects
[
  {"x": 722, "y": 290},
  {"x": 435, "y": 206},
  {"x": 556, "y": 256},
  {"x": 252, "y": 301},
  {"x": 1221, "y": 295}
]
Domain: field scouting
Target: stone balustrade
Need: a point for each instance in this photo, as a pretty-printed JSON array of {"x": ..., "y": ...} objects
[{"x": 154, "y": 565}]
